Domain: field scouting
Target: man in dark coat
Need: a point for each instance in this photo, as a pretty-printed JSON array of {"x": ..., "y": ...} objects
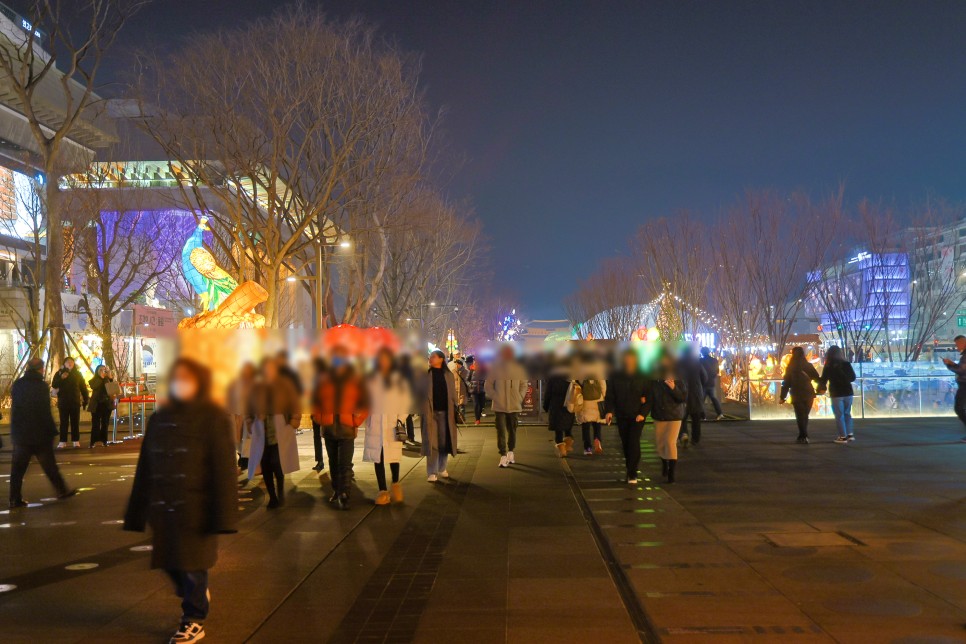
[
  {"x": 959, "y": 368},
  {"x": 560, "y": 420},
  {"x": 71, "y": 394},
  {"x": 710, "y": 365},
  {"x": 185, "y": 487},
  {"x": 696, "y": 381},
  {"x": 32, "y": 432}
]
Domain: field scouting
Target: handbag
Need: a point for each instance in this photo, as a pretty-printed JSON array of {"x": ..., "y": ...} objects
[
  {"x": 112, "y": 388},
  {"x": 401, "y": 433}
]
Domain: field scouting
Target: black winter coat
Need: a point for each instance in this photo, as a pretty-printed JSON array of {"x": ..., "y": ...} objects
[
  {"x": 838, "y": 376},
  {"x": 99, "y": 396},
  {"x": 554, "y": 403},
  {"x": 185, "y": 486},
  {"x": 696, "y": 380},
  {"x": 667, "y": 403},
  {"x": 31, "y": 419},
  {"x": 711, "y": 370},
  {"x": 71, "y": 388},
  {"x": 798, "y": 381},
  {"x": 624, "y": 393}
]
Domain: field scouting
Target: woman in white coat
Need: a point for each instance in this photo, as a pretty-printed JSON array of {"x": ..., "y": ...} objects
[{"x": 390, "y": 402}]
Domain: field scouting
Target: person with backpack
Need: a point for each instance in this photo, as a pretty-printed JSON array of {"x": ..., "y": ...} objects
[
  {"x": 837, "y": 378},
  {"x": 798, "y": 379},
  {"x": 628, "y": 400},
  {"x": 593, "y": 389}
]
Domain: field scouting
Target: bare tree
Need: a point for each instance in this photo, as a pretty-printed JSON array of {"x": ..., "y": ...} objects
[
  {"x": 52, "y": 73},
  {"x": 787, "y": 238},
  {"x": 122, "y": 249},
  {"x": 434, "y": 257},
  {"x": 671, "y": 258},
  {"x": 609, "y": 303},
  {"x": 937, "y": 290},
  {"x": 319, "y": 135}
]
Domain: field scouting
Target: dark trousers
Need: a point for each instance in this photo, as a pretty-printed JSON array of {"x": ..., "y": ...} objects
[
  {"x": 479, "y": 401},
  {"x": 381, "y": 471},
  {"x": 272, "y": 472},
  {"x": 560, "y": 432},
  {"x": 100, "y": 418},
  {"x": 317, "y": 443},
  {"x": 630, "y": 432},
  {"x": 69, "y": 413},
  {"x": 586, "y": 429},
  {"x": 713, "y": 395},
  {"x": 506, "y": 431},
  {"x": 340, "y": 463},
  {"x": 802, "y": 410},
  {"x": 410, "y": 429},
  {"x": 959, "y": 403},
  {"x": 695, "y": 431},
  {"x": 192, "y": 588},
  {"x": 19, "y": 461}
]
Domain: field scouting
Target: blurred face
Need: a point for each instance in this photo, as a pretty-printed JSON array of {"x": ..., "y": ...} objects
[
  {"x": 183, "y": 386},
  {"x": 340, "y": 358},
  {"x": 436, "y": 361},
  {"x": 103, "y": 372},
  {"x": 270, "y": 370},
  {"x": 68, "y": 363},
  {"x": 961, "y": 345},
  {"x": 507, "y": 353},
  {"x": 384, "y": 362},
  {"x": 630, "y": 363}
]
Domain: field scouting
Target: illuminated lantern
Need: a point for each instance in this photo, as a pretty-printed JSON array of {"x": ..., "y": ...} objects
[
  {"x": 346, "y": 336},
  {"x": 378, "y": 338},
  {"x": 653, "y": 335}
]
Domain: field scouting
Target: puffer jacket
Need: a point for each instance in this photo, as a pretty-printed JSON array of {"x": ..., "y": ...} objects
[
  {"x": 667, "y": 403},
  {"x": 506, "y": 385}
]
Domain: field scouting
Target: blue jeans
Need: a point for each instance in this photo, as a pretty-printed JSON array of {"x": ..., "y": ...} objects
[
  {"x": 192, "y": 587},
  {"x": 842, "y": 408}
]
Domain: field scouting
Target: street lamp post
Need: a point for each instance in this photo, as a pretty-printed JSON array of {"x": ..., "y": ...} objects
[{"x": 319, "y": 284}]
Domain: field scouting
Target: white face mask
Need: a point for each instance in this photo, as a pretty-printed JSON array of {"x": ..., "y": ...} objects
[{"x": 183, "y": 390}]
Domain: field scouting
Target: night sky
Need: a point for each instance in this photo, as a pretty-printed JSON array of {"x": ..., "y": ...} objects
[{"x": 580, "y": 120}]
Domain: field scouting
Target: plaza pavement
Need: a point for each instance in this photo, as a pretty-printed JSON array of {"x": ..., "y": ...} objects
[{"x": 762, "y": 540}]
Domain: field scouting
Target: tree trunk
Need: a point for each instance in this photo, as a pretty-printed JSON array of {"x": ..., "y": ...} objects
[{"x": 53, "y": 277}]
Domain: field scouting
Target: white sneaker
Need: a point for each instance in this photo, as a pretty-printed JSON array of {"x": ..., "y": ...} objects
[
  {"x": 61, "y": 445},
  {"x": 190, "y": 632},
  {"x": 504, "y": 462},
  {"x": 444, "y": 474},
  {"x": 509, "y": 458},
  {"x": 720, "y": 417},
  {"x": 76, "y": 444},
  {"x": 431, "y": 478}
]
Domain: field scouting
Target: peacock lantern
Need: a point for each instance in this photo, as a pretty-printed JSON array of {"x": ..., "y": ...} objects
[{"x": 225, "y": 304}]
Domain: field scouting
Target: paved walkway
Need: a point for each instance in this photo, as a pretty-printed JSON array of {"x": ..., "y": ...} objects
[{"x": 762, "y": 540}]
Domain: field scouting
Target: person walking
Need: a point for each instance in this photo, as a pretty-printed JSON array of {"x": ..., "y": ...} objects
[
  {"x": 506, "y": 386},
  {"x": 628, "y": 401},
  {"x": 275, "y": 412},
  {"x": 797, "y": 381},
  {"x": 239, "y": 397},
  {"x": 389, "y": 404},
  {"x": 669, "y": 397},
  {"x": 712, "y": 371},
  {"x": 560, "y": 419},
  {"x": 593, "y": 388},
  {"x": 340, "y": 406},
  {"x": 32, "y": 432},
  {"x": 71, "y": 395},
  {"x": 959, "y": 368},
  {"x": 837, "y": 378},
  {"x": 438, "y": 423},
  {"x": 477, "y": 383},
  {"x": 406, "y": 371},
  {"x": 696, "y": 380},
  {"x": 319, "y": 468},
  {"x": 101, "y": 405},
  {"x": 185, "y": 490}
]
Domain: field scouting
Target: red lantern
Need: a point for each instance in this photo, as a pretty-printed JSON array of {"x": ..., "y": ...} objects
[
  {"x": 346, "y": 336},
  {"x": 377, "y": 338}
]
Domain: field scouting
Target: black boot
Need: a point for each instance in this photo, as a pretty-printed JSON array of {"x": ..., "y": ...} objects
[
  {"x": 670, "y": 470},
  {"x": 663, "y": 467}
]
